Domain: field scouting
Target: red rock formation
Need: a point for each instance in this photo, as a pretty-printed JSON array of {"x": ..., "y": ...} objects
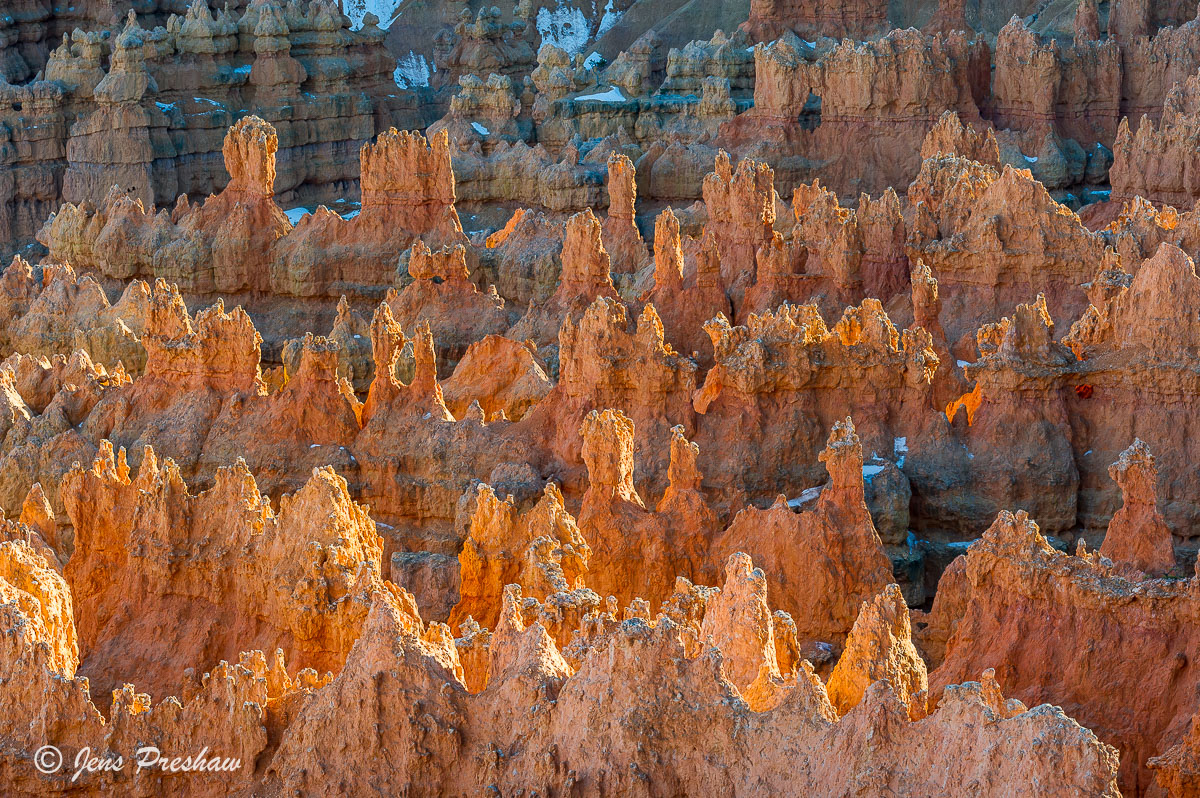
[
  {"x": 633, "y": 548},
  {"x": 1018, "y": 593},
  {"x": 858, "y": 20},
  {"x": 741, "y": 213},
  {"x": 851, "y": 254},
  {"x": 783, "y": 379},
  {"x": 823, "y": 562},
  {"x": 502, "y": 375},
  {"x": 1157, "y": 162},
  {"x": 146, "y": 107},
  {"x": 61, "y": 312},
  {"x": 1175, "y": 771},
  {"x": 951, "y": 15},
  {"x": 1137, "y": 534},
  {"x": 310, "y": 569},
  {"x": 686, "y": 298},
  {"x": 586, "y": 275},
  {"x": 859, "y": 110},
  {"x": 211, "y": 247},
  {"x": 626, "y": 673},
  {"x": 620, "y": 233},
  {"x": 1040, "y": 88},
  {"x": 951, "y": 137},
  {"x": 408, "y": 193},
  {"x": 541, "y": 549},
  {"x": 1013, "y": 242},
  {"x": 603, "y": 364},
  {"x": 681, "y": 454},
  {"x": 441, "y": 296},
  {"x": 1139, "y": 323},
  {"x": 1017, "y": 374},
  {"x": 738, "y": 621},
  {"x": 1155, "y": 62}
]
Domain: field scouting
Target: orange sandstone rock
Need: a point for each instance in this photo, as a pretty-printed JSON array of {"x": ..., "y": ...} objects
[
  {"x": 1137, "y": 534},
  {"x": 1018, "y": 593},
  {"x": 541, "y": 549},
  {"x": 309, "y": 568},
  {"x": 502, "y": 375},
  {"x": 823, "y": 562},
  {"x": 880, "y": 647}
]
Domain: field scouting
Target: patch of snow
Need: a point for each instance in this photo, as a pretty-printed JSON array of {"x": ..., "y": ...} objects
[
  {"x": 592, "y": 61},
  {"x": 356, "y": 335},
  {"x": 480, "y": 129},
  {"x": 296, "y": 214},
  {"x": 1089, "y": 451},
  {"x": 810, "y": 44},
  {"x": 611, "y": 17},
  {"x": 613, "y": 95},
  {"x": 210, "y": 102},
  {"x": 385, "y": 526},
  {"x": 871, "y": 470},
  {"x": 243, "y": 70},
  {"x": 357, "y": 9},
  {"x": 564, "y": 27},
  {"x": 351, "y": 214},
  {"x": 806, "y": 496},
  {"x": 1030, "y": 158},
  {"x": 962, "y": 363},
  {"x": 315, "y": 445},
  {"x": 899, "y": 449},
  {"x": 412, "y": 71},
  {"x": 166, "y": 108}
]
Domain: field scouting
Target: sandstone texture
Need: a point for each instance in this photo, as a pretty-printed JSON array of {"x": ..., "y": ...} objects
[{"x": 645, "y": 398}]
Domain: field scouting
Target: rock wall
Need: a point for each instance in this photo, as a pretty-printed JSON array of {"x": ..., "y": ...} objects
[{"x": 146, "y": 109}]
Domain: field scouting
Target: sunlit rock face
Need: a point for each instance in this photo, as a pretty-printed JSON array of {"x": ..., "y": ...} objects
[{"x": 599, "y": 400}]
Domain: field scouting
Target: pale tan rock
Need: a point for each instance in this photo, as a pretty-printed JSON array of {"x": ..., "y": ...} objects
[
  {"x": 502, "y": 375},
  {"x": 738, "y": 621},
  {"x": 880, "y": 647}
]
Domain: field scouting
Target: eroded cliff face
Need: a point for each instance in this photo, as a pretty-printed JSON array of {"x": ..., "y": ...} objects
[
  {"x": 605, "y": 444},
  {"x": 308, "y": 569},
  {"x": 142, "y": 101},
  {"x": 1015, "y": 590},
  {"x": 220, "y": 245},
  {"x": 740, "y": 671},
  {"x": 1154, "y": 161}
]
